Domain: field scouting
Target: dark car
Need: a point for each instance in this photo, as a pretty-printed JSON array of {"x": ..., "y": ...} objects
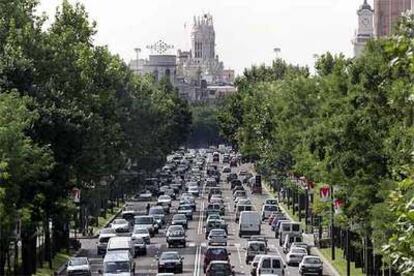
[
  {"x": 219, "y": 268},
  {"x": 235, "y": 183},
  {"x": 213, "y": 208},
  {"x": 215, "y": 253},
  {"x": 170, "y": 261},
  {"x": 232, "y": 176},
  {"x": 176, "y": 236}
]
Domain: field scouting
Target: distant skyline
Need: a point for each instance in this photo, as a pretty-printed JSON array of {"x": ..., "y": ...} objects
[{"x": 247, "y": 31}]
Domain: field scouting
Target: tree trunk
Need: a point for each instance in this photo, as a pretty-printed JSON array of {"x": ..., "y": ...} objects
[
  {"x": 28, "y": 262},
  {"x": 47, "y": 248}
]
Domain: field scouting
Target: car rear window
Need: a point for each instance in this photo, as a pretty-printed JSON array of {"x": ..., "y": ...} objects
[
  {"x": 276, "y": 263},
  {"x": 295, "y": 227}
]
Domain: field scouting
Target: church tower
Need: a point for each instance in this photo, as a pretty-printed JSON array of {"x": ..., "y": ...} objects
[
  {"x": 365, "y": 28},
  {"x": 203, "y": 38}
]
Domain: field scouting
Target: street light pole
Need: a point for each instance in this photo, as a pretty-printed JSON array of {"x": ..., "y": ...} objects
[
  {"x": 137, "y": 51},
  {"x": 277, "y": 52},
  {"x": 332, "y": 224}
]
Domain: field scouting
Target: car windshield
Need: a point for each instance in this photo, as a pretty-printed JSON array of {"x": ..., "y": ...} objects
[
  {"x": 179, "y": 217},
  {"x": 257, "y": 247},
  {"x": 312, "y": 260},
  {"x": 78, "y": 261},
  {"x": 296, "y": 227},
  {"x": 169, "y": 256},
  {"x": 270, "y": 208},
  {"x": 141, "y": 231},
  {"x": 164, "y": 197},
  {"x": 298, "y": 250},
  {"x": 217, "y": 232},
  {"x": 184, "y": 207},
  {"x": 156, "y": 211},
  {"x": 119, "y": 221},
  {"x": 144, "y": 220},
  {"x": 116, "y": 267},
  {"x": 220, "y": 267},
  {"x": 217, "y": 251},
  {"x": 175, "y": 228}
]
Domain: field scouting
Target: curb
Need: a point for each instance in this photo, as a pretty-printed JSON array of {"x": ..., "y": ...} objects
[{"x": 314, "y": 248}]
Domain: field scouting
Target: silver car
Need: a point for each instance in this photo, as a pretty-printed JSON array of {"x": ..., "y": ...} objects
[{"x": 217, "y": 236}]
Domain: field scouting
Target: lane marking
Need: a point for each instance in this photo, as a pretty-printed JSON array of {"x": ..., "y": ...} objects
[{"x": 196, "y": 262}]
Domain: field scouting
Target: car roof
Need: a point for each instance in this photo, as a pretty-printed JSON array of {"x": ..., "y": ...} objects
[{"x": 117, "y": 255}]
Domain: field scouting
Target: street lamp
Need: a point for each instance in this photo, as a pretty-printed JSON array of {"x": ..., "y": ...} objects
[{"x": 137, "y": 51}]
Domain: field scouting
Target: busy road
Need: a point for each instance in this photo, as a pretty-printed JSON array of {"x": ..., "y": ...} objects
[{"x": 196, "y": 244}]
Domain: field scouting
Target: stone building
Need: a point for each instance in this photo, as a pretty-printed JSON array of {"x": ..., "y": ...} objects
[{"x": 365, "y": 29}]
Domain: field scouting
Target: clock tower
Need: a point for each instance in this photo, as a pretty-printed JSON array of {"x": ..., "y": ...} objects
[{"x": 365, "y": 28}]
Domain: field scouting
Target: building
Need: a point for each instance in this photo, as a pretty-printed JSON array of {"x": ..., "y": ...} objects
[
  {"x": 198, "y": 73},
  {"x": 365, "y": 29},
  {"x": 387, "y": 13}
]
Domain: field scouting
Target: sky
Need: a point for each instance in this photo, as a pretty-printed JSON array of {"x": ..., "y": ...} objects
[{"x": 247, "y": 31}]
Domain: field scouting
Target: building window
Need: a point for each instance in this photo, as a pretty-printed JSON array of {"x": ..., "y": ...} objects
[
  {"x": 167, "y": 72},
  {"x": 155, "y": 73}
]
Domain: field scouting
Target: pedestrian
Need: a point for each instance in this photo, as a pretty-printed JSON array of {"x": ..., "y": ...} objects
[{"x": 148, "y": 207}]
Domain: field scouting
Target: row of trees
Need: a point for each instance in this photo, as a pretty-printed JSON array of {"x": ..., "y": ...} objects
[
  {"x": 351, "y": 125},
  {"x": 71, "y": 115}
]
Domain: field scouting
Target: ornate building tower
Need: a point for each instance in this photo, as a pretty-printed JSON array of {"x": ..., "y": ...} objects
[
  {"x": 203, "y": 38},
  {"x": 365, "y": 28}
]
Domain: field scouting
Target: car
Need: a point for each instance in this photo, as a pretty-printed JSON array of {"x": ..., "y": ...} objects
[
  {"x": 222, "y": 268},
  {"x": 267, "y": 210},
  {"x": 165, "y": 202},
  {"x": 296, "y": 255},
  {"x": 278, "y": 224},
  {"x": 270, "y": 265},
  {"x": 147, "y": 222},
  {"x": 255, "y": 248},
  {"x": 140, "y": 232},
  {"x": 234, "y": 183},
  {"x": 78, "y": 266},
  {"x": 215, "y": 253},
  {"x": 243, "y": 201},
  {"x": 311, "y": 265},
  {"x": 214, "y": 208},
  {"x": 270, "y": 201},
  {"x": 118, "y": 263},
  {"x": 158, "y": 213},
  {"x": 175, "y": 236},
  {"x": 170, "y": 261},
  {"x": 217, "y": 236},
  {"x": 215, "y": 224},
  {"x": 180, "y": 219},
  {"x": 103, "y": 238},
  {"x": 243, "y": 172},
  {"x": 214, "y": 216},
  {"x": 120, "y": 225},
  {"x": 140, "y": 246},
  {"x": 302, "y": 245},
  {"x": 239, "y": 193},
  {"x": 226, "y": 170},
  {"x": 258, "y": 238},
  {"x": 211, "y": 183},
  {"x": 187, "y": 210},
  {"x": 194, "y": 190},
  {"x": 276, "y": 218},
  {"x": 238, "y": 198}
]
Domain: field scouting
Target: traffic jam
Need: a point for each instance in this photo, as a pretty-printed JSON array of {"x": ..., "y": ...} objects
[{"x": 205, "y": 213}]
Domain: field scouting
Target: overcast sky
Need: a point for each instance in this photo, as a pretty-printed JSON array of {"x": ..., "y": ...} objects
[{"x": 247, "y": 31}]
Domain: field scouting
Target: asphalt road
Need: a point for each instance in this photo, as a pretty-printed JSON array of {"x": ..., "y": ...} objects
[{"x": 196, "y": 243}]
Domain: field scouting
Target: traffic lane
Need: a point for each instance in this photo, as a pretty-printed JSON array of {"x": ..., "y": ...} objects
[
  {"x": 148, "y": 265},
  {"x": 258, "y": 200}
]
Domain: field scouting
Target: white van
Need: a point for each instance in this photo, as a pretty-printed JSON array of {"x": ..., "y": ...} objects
[
  {"x": 118, "y": 263},
  {"x": 271, "y": 265},
  {"x": 240, "y": 208},
  {"x": 288, "y": 228},
  {"x": 249, "y": 223},
  {"x": 121, "y": 244}
]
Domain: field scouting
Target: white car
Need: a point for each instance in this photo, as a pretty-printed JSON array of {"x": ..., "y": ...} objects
[
  {"x": 141, "y": 233},
  {"x": 295, "y": 255},
  {"x": 165, "y": 202},
  {"x": 268, "y": 209},
  {"x": 120, "y": 225},
  {"x": 194, "y": 190},
  {"x": 79, "y": 266},
  {"x": 217, "y": 236}
]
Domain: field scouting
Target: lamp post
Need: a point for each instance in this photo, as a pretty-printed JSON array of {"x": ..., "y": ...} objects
[
  {"x": 137, "y": 51},
  {"x": 332, "y": 224}
]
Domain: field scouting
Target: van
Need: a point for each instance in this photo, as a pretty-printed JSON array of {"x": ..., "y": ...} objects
[
  {"x": 270, "y": 264},
  {"x": 121, "y": 244},
  {"x": 118, "y": 263},
  {"x": 216, "y": 157},
  {"x": 240, "y": 208},
  {"x": 288, "y": 228},
  {"x": 249, "y": 223}
]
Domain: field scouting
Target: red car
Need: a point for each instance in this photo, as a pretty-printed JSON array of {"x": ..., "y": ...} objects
[
  {"x": 215, "y": 254},
  {"x": 220, "y": 268}
]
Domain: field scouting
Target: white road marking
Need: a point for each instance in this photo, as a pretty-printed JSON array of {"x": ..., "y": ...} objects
[{"x": 196, "y": 262}]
